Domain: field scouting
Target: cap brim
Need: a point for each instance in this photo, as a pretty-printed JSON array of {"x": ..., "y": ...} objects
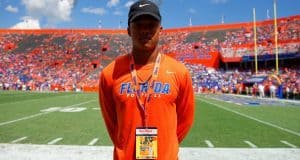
[{"x": 145, "y": 13}]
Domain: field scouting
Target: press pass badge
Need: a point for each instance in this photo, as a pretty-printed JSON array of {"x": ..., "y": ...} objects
[{"x": 146, "y": 143}]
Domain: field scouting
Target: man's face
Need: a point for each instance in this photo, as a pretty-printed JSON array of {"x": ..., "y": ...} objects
[{"x": 144, "y": 31}]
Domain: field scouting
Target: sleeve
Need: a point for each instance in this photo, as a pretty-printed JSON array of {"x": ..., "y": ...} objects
[
  {"x": 185, "y": 107},
  {"x": 107, "y": 106}
]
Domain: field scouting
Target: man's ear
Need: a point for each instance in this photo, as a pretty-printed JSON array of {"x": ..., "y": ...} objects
[
  {"x": 160, "y": 29},
  {"x": 128, "y": 31}
]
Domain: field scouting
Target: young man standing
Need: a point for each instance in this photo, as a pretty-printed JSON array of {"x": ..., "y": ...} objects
[{"x": 146, "y": 97}]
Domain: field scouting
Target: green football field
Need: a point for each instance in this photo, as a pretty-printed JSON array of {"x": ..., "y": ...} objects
[{"x": 75, "y": 119}]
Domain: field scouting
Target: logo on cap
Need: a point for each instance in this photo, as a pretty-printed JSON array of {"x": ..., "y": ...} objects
[{"x": 143, "y": 5}]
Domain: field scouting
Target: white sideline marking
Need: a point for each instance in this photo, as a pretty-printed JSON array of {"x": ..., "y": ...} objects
[
  {"x": 40, "y": 114},
  {"x": 55, "y": 140},
  {"x": 72, "y": 152},
  {"x": 209, "y": 144},
  {"x": 255, "y": 119},
  {"x": 250, "y": 144},
  {"x": 289, "y": 144},
  {"x": 94, "y": 141},
  {"x": 18, "y": 140}
]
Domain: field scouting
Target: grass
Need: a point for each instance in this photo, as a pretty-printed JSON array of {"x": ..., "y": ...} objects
[{"x": 222, "y": 127}]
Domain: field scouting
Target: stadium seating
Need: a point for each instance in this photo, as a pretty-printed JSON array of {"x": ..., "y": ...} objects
[{"x": 70, "y": 60}]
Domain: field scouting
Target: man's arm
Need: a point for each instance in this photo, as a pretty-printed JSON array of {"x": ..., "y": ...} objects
[
  {"x": 108, "y": 107},
  {"x": 185, "y": 107}
]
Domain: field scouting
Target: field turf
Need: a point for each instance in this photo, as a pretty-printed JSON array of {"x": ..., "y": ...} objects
[{"x": 75, "y": 119}]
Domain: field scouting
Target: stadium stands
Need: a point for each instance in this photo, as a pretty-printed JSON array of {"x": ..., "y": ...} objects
[{"x": 70, "y": 60}]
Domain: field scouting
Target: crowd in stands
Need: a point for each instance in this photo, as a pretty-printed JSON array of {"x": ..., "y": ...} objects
[
  {"x": 211, "y": 80},
  {"x": 72, "y": 61},
  {"x": 240, "y": 42}
]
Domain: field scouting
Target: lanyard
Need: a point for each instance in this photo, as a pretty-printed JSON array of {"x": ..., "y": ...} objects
[{"x": 150, "y": 84}]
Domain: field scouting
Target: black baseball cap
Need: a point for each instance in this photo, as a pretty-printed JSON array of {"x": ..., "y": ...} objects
[{"x": 143, "y": 7}]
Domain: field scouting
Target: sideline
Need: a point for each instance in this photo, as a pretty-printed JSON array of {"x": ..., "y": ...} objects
[
  {"x": 255, "y": 119},
  {"x": 70, "y": 152}
]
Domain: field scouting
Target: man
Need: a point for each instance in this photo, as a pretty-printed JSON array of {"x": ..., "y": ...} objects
[
  {"x": 272, "y": 91},
  {"x": 146, "y": 94},
  {"x": 261, "y": 90}
]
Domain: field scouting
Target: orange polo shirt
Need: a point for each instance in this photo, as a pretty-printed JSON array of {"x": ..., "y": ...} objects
[{"x": 170, "y": 110}]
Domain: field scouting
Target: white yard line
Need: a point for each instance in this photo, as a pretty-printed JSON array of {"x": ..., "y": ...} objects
[
  {"x": 209, "y": 144},
  {"x": 18, "y": 140},
  {"x": 255, "y": 119},
  {"x": 94, "y": 141},
  {"x": 250, "y": 144},
  {"x": 55, "y": 140},
  {"x": 40, "y": 114},
  {"x": 289, "y": 144}
]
